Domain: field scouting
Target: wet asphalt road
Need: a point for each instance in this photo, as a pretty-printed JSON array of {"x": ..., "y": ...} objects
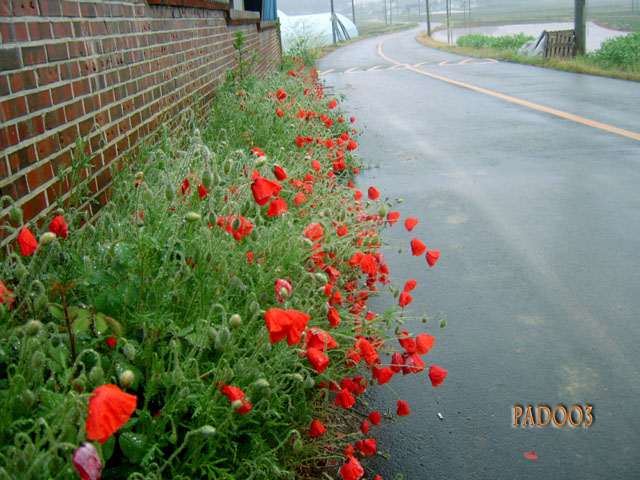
[{"x": 538, "y": 221}]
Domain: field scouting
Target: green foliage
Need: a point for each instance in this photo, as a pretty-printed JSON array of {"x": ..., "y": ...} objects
[
  {"x": 184, "y": 301},
  {"x": 505, "y": 42},
  {"x": 619, "y": 53}
]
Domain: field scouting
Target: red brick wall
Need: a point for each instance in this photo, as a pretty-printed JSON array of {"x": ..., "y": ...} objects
[{"x": 110, "y": 72}]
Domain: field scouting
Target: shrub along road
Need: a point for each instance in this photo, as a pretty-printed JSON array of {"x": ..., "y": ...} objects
[{"x": 526, "y": 179}]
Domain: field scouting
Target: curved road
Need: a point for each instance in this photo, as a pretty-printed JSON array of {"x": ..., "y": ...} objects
[{"x": 528, "y": 181}]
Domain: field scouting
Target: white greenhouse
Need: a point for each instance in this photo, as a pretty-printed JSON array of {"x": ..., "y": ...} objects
[{"x": 314, "y": 29}]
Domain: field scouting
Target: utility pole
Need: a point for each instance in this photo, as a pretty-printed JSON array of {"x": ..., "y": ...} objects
[
  {"x": 333, "y": 22},
  {"x": 353, "y": 12},
  {"x": 428, "y": 18},
  {"x": 581, "y": 25},
  {"x": 385, "y": 11},
  {"x": 448, "y": 4}
]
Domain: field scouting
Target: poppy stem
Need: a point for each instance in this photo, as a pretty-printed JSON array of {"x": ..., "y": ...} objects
[{"x": 72, "y": 340}]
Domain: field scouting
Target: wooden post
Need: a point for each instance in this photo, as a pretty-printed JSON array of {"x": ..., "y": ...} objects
[{"x": 581, "y": 25}]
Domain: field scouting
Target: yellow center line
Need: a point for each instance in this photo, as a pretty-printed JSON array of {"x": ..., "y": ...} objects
[
  {"x": 351, "y": 70},
  {"x": 327, "y": 71},
  {"x": 443, "y": 63},
  {"x": 465, "y": 61},
  {"x": 524, "y": 103},
  {"x": 374, "y": 68}
]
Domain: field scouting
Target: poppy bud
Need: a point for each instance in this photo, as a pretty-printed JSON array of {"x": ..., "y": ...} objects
[
  {"x": 207, "y": 179},
  {"x": 96, "y": 375},
  {"x": 399, "y": 200},
  {"x": 382, "y": 211},
  {"x": 147, "y": 195},
  {"x": 15, "y": 215},
  {"x": 224, "y": 335},
  {"x": 127, "y": 378},
  {"x": 217, "y": 179},
  {"x": 236, "y": 404},
  {"x": 169, "y": 193},
  {"x": 196, "y": 132},
  {"x": 309, "y": 382},
  {"x": 297, "y": 445},
  {"x": 254, "y": 307},
  {"x": 47, "y": 238},
  {"x": 261, "y": 383},
  {"x": 139, "y": 175},
  {"x": 20, "y": 270},
  {"x": 261, "y": 161},
  {"x": 235, "y": 321},
  {"x": 87, "y": 462},
  {"x": 321, "y": 277},
  {"x": 212, "y": 334},
  {"x": 129, "y": 351},
  {"x": 298, "y": 377},
  {"x": 226, "y": 166},
  {"x": 37, "y": 360},
  {"x": 192, "y": 217},
  {"x": 443, "y": 323},
  {"x": 207, "y": 430},
  {"x": 28, "y": 398},
  {"x": 33, "y": 327}
]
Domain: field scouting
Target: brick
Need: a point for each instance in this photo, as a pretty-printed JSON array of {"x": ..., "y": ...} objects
[
  {"x": 57, "y": 52},
  {"x": 54, "y": 119},
  {"x": 14, "y": 108},
  {"x": 39, "y": 176},
  {"x": 70, "y": 8},
  {"x": 10, "y": 59},
  {"x": 8, "y": 136},
  {"x": 85, "y": 127},
  {"x": 69, "y": 71},
  {"x": 34, "y": 206},
  {"x": 34, "y": 55},
  {"x": 47, "y": 75},
  {"x": 22, "y": 158},
  {"x": 88, "y": 10},
  {"x": 50, "y": 8},
  {"x": 31, "y": 127},
  {"x": 115, "y": 112},
  {"x": 6, "y": 9},
  {"x": 68, "y": 136},
  {"x": 4, "y": 85},
  {"x": 25, "y": 8},
  {"x": 81, "y": 87},
  {"x": 91, "y": 103},
  {"x": 23, "y": 80},
  {"x": 47, "y": 147},
  {"x": 4, "y": 168},
  {"x": 59, "y": 164},
  {"x": 62, "y": 29},
  {"x": 39, "y": 100},
  {"x": 39, "y": 31},
  {"x": 14, "y": 32},
  {"x": 74, "y": 111},
  {"x": 62, "y": 93},
  {"x": 104, "y": 178}
]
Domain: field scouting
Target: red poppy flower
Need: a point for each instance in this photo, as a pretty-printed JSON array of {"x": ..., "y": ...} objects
[
  {"x": 373, "y": 193},
  {"x": 111, "y": 341},
  {"x": 87, "y": 462},
  {"x": 531, "y": 455},
  {"x": 364, "y": 427},
  {"x": 299, "y": 198},
  {"x": 403, "y": 408},
  {"x": 407, "y": 342},
  {"x": 317, "y": 359},
  {"x": 202, "y": 192},
  {"x": 316, "y": 165},
  {"x": 409, "y": 223},
  {"x": 279, "y": 112},
  {"x": 367, "y": 446},
  {"x": 27, "y": 242},
  {"x": 185, "y": 186},
  {"x": 313, "y": 231},
  {"x": 374, "y": 417},
  {"x": 279, "y": 173},
  {"x": 384, "y": 375},
  {"x": 424, "y": 343},
  {"x": 333, "y": 104},
  {"x": 263, "y": 189},
  {"x": 392, "y": 217},
  {"x": 412, "y": 364},
  {"x": 277, "y": 207},
  {"x": 352, "y": 145},
  {"x": 368, "y": 351},
  {"x": 6, "y": 295},
  {"x": 319, "y": 339},
  {"x": 345, "y": 399},
  {"x": 410, "y": 285},
  {"x": 285, "y": 323},
  {"x": 352, "y": 119},
  {"x": 333, "y": 317},
  {"x": 417, "y": 247},
  {"x": 397, "y": 362},
  {"x": 283, "y": 290},
  {"x": 242, "y": 231},
  {"x": 432, "y": 257},
  {"x": 404, "y": 299},
  {"x": 437, "y": 375},
  {"x": 58, "y": 226},
  {"x": 281, "y": 94},
  {"x": 368, "y": 264},
  {"x": 351, "y": 469},
  {"x": 316, "y": 429},
  {"x": 342, "y": 230},
  {"x": 109, "y": 409},
  {"x": 235, "y": 393},
  {"x": 358, "y": 195}
]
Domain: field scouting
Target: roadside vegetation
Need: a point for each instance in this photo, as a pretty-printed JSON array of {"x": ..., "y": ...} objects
[
  {"x": 213, "y": 321},
  {"x": 366, "y": 30},
  {"x": 617, "y": 58}
]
